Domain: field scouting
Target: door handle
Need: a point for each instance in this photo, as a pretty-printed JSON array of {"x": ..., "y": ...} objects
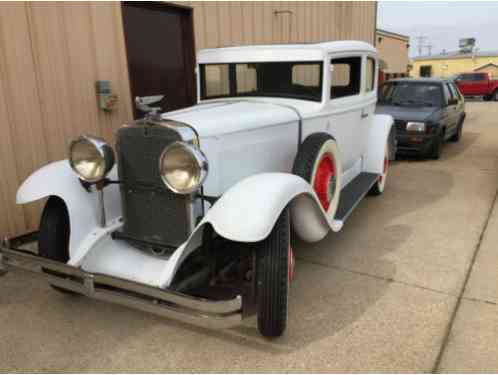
[{"x": 364, "y": 114}]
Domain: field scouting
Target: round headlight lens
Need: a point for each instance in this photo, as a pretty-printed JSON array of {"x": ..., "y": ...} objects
[
  {"x": 183, "y": 167},
  {"x": 91, "y": 158}
]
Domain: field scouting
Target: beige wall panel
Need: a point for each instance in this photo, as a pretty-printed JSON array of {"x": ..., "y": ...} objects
[
  {"x": 109, "y": 49},
  {"x": 12, "y": 218},
  {"x": 47, "y": 24},
  {"x": 224, "y": 24},
  {"x": 394, "y": 52},
  {"x": 22, "y": 100},
  {"x": 50, "y": 57},
  {"x": 211, "y": 24}
]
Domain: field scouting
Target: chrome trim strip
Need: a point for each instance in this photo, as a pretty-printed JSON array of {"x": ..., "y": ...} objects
[{"x": 166, "y": 303}]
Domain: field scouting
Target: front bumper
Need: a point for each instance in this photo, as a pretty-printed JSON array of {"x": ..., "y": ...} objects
[
  {"x": 413, "y": 143},
  {"x": 166, "y": 303}
]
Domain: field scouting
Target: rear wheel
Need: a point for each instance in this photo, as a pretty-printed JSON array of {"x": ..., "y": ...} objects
[
  {"x": 53, "y": 239},
  {"x": 318, "y": 163},
  {"x": 456, "y": 137},
  {"x": 274, "y": 270}
]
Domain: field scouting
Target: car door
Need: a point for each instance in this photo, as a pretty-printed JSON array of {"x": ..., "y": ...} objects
[
  {"x": 459, "y": 107},
  {"x": 448, "y": 111},
  {"x": 346, "y": 118},
  {"x": 464, "y": 83}
]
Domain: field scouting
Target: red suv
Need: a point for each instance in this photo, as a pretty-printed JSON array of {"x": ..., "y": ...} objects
[{"x": 478, "y": 84}]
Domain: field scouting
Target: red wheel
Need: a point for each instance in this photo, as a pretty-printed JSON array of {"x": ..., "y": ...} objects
[
  {"x": 325, "y": 180},
  {"x": 318, "y": 163}
]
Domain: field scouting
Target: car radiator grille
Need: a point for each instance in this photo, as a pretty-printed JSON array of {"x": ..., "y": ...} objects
[{"x": 153, "y": 215}]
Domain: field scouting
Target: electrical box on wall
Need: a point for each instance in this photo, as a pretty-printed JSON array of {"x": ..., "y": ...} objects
[{"x": 106, "y": 99}]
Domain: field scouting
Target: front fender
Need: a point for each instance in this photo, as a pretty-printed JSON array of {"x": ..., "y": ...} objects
[
  {"x": 58, "y": 179},
  {"x": 376, "y": 145},
  {"x": 248, "y": 211}
]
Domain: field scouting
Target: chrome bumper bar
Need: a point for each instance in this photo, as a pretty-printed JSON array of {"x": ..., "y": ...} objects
[{"x": 166, "y": 303}]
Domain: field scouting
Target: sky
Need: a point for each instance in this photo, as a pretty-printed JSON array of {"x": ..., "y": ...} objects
[{"x": 443, "y": 23}]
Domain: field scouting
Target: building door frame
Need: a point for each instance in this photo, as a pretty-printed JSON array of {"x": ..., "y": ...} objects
[{"x": 188, "y": 42}]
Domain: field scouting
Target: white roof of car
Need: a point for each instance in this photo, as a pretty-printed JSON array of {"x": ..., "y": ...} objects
[{"x": 281, "y": 52}]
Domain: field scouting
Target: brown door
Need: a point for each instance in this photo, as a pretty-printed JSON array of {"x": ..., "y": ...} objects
[{"x": 161, "y": 53}]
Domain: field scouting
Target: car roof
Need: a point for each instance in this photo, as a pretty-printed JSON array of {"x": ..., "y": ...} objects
[{"x": 282, "y": 52}]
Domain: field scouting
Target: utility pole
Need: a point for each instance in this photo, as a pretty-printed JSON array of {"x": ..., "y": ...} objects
[{"x": 420, "y": 43}]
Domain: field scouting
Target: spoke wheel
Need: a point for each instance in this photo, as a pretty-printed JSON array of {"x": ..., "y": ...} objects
[{"x": 325, "y": 180}]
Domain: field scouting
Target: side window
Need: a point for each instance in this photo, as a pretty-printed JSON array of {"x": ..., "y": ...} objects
[
  {"x": 246, "y": 78},
  {"x": 306, "y": 75},
  {"x": 370, "y": 78},
  {"x": 457, "y": 91},
  {"x": 345, "y": 76},
  {"x": 479, "y": 77},
  {"x": 454, "y": 93},
  {"x": 447, "y": 95},
  {"x": 217, "y": 82}
]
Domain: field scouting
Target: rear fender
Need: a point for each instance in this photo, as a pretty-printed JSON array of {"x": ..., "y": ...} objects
[
  {"x": 376, "y": 144},
  {"x": 84, "y": 213}
]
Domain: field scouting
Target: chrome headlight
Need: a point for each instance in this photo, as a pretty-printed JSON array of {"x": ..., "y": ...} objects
[
  {"x": 183, "y": 167},
  {"x": 90, "y": 158},
  {"x": 415, "y": 127}
]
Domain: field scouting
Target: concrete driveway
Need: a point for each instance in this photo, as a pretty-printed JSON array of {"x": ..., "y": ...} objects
[{"x": 410, "y": 285}]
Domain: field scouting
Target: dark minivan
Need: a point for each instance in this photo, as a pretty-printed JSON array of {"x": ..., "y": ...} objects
[{"x": 426, "y": 112}]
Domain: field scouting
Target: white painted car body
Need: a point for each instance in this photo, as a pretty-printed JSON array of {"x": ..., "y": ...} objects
[{"x": 251, "y": 144}]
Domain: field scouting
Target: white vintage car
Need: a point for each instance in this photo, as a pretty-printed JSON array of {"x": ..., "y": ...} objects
[{"x": 194, "y": 220}]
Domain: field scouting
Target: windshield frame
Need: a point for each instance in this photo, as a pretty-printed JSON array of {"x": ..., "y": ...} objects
[
  {"x": 439, "y": 104},
  {"x": 233, "y": 82}
]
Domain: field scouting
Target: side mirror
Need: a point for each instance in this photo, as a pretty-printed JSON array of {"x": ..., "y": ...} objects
[{"x": 452, "y": 101}]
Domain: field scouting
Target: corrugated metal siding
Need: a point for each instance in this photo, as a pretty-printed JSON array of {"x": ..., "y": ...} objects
[
  {"x": 50, "y": 57},
  {"x": 52, "y": 54},
  {"x": 220, "y": 23},
  {"x": 394, "y": 52}
]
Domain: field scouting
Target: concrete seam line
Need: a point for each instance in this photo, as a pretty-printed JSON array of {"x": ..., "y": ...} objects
[
  {"x": 449, "y": 326},
  {"x": 383, "y": 278}
]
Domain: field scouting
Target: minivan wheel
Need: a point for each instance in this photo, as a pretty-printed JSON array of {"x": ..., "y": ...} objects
[
  {"x": 272, "y": 269},
  {"x": 436, "y": 147},
  {"x": 456, "y": 137}
]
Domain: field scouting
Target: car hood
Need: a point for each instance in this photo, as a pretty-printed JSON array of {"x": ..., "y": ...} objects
[
  {"x": 406, "y": 113},
  {"x": 217, "y": 118}
]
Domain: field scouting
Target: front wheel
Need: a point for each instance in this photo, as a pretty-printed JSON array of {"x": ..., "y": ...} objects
[
  {"x": 273, "y": 269},
  {"x": 53, "y": 238},
  {"x": 436, "y": 147}
]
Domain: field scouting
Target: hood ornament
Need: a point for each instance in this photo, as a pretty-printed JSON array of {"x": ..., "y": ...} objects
[{"x": 143, "y": 103}]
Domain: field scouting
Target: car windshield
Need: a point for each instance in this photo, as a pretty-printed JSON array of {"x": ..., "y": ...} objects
[
  {"x": 297, "y": 80},
  {"x": 418, "y": 94}
]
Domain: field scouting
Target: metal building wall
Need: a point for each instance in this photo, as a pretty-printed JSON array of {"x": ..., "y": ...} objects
[
  {"x": 50, "y": 57},
  {"x": 52, "y": 54},
  {"x": 231, "y": 23}
]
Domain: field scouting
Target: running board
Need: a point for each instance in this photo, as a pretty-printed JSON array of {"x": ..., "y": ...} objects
[{"x": 353, "y": 193}]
